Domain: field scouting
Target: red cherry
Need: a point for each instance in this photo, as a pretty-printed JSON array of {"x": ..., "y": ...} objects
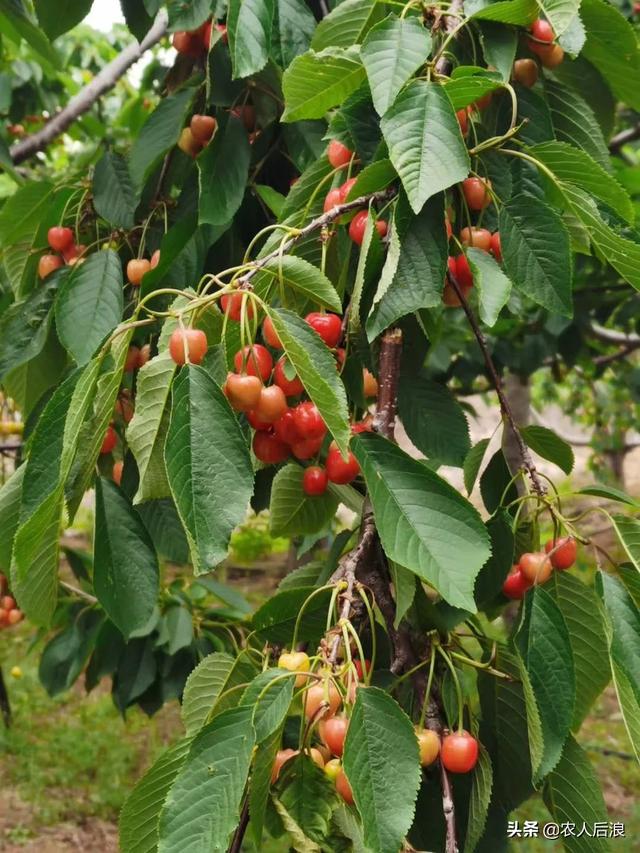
[
  {"x": 254, "y": 360},
  {"x": 256, "y": 422},
  {"x": 358, "y": 665},
  {"x": 136, "y": 268},
  {"x": 188, "y": 342},
  {"x": 205, "y": 34},
  {"x": 463, "y": 120},
  {"x": 291, "y": 387},
  {"x": 483, "y": 102},
  {"x": 59, "y": 238},
  {"x": 338, "y": 154},
  {"x": 187, "y": 43},
  {"x": 269, "y": 449},
  {"x": 459, "y": 752},
  {"x": 536, "y": 567},
  {"x": 131, "y": 361},
  {"x": 282, "y": 756},
  {"x": 314, "y": 480},
  {"x": 47, "y": 264},
  {"x": 516, "y": 584},
  {"x": 340, "y": 471},
  {"x": 271, "y": 405},
  {"x": 109, "y": 441},
  {"x": 345, "y": 189},
  {"x": 565, "y": 553},
  {"x": 344, "y": 788},
  {"x": 116, "y": 472},
  {"x": 463, "y": 273},
  {"x": 328, "y": 326},
  {"x": 232, "y": 305},
  {"x": 479, "y": 238},
  {"x": 542, "y": 30},
  {"x": 155, "y": 259},
  {"x": 525, "y": 72},
  {"x": 496, "y": 248},
  {"x": 365, "y": 425},
  {"x": 447, "y": 227},
  {"x": 144, "y": 355},
  {"x": 202, "y": 128},
  {"x": 359, "y": 224},
  {"x": 270, "y": 335},
  {"x": 307, "y": 448},
  {"x": 8, "y": 602},
  {"x": 476, "y": 193},
  {"x": 73, "y": 253},
  {"x": 286, "y": 429},
  {"x": 308, "y": 421},
  {"x": 14, "y": 616},
  {"x": 243, "y": 392},
  {"x": 333, "y": 198},
  {"x": 333, "y": 731}
]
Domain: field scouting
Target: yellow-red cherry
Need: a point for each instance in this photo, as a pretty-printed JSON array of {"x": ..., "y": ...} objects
[
  {"x": 136, "y": 268},
  {"x": 536, "y": 567},
  {"x": 516, "y": 584},
  {"x": 202, "y": 128},
  {"x": 270, "y": 335},
  {"x": 116, "y": 472},
  {"x": 479, "y": 238},
  {"x": 232, "y": 305},
  {"x": 525, "y": 72},
  {"x": 188, "y": 344},
  {"x": 563, "y": 552},
  {"x": 318, "y": 694},
  {"x": 344, "y": 788},
  {"x": 476, "y": 193},
  {"x": 47, "y": 264},
  {"x": 459, "y": 752},
  {"x": 242, "y": 391},
  {"x": 338, "y": 154},
  {"x": 314, "y": 481},
  {"x": 109, "y": 441},
  {"x": 271, "y": 405},
  {"x": 282, "y": 756},
  {"x": 296, "y": 662},
  {"x": 332, "y": 732},
  {"x": 429, "y": 746}
]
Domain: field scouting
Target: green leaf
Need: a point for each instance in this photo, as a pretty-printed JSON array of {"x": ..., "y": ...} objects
[
  {"x": 425, "y": 142},
  {"x": 609, "y": 494},
  {"x": 489, "y": 581},
  {"x": 404, "y": 589},
  {"x": 299, "y": 841},
  {"x": 179, "y": 627},
  {"x": 24, "y": 326},
  {"x": 472, "y": 463},
  {"x": 62, "y": 16},
  {"x": 249, "y": 25},
  {"x": 493, "y": 286},
  {"x": 612, "y": 47},
  {"x": 424, "y": 524},
  {"x": 20, "y": 24},
  {"x": 573, "y": 795},
  {"x": 546, "y": 443},
  {"x": 620, "y": 252},
  {"x": 215, "y": 675},
  {"x": 292, "y": 512},
  {"x": 544, "y": 645},
  {"x": 302, "y": 277},
  {"x": 574, "y": 122},
  {"x": 413, "y": 276},
  {"x": 381, "y": 745},
  {"x": 125, "y": 565},
  {"x": 203, "y": 804},
  {"x": 227, "y": 594},
  {"x": 629, "y": 706},
  {"x": 392, "y": 51},
  {"x": 373, "y": 178},
  {"x": 10, "y": 499},
  {"x": 114, "y": 198},
  {"x": 309, "y": 797},
  {"x": 146, "y": 433},
  {"x": 260, "y": 783},
  {"x": 464, "y": 89},
  {"x": 276, "y": 619},
  {"x": 140, "y": 815},
  {"x": 499, "y": 47},
  {"x": 536, "y": 252},
  {"x": 571, "y": 165},
  {"x": 628, "y": 530},
  {"x": 559, "y": 13},
  {"x": 315, "y": 82},
  {"x": 316, "y": 369},
  {"x": 187, "y": 14},
  {"x": 159, "y": 133},
  {"x": 272, "y": 198},
  {"x": 295, "y": 29},
  {"x": 196, "y": 466},
  {"x": 580, "y": 609},
  {"x": 433, "y": 419},
  {"x": 481, "y": 787},
  {"x": 223, "y": 168},
  {"x": 347, "y": 24},
  {"x": 269, "y": 695},
  {"x": 521, "y": 12},
  {"x": 89, "y": 304},
  {"x": 624, "y": 628}
]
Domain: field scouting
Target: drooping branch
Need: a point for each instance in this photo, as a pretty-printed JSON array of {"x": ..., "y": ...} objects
[
  {"x": 316, "y": 224},
  {"x": 86, "y": 98},
  {"x": 525, "y": 454}
]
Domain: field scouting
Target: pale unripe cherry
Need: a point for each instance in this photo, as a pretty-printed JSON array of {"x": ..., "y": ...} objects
[{"x": 187, "y": 345}]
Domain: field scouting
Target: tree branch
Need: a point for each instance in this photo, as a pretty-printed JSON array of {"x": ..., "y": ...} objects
[
  {"x": 612, "y": 336},
  {"x": 443, "y": 65},
  {"x": 86, "y": 98},
  {"x": 389, "y": 372},
  {"x": 525, "y": 454},
  {"x": 238, "y": 835},
  {"x": 316, "y": 224},
  {"x": 622, "y": 138}
]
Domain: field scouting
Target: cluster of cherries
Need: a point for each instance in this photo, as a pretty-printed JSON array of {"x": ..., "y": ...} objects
[
  {"x": 340, "y": 156},
  {"x": 61, "y": 240},
  {"x": 137, "y": 268},
  {"x": 10, "y": 613},
  {"x": 197, "y": 135},
  {"x": 543, "y": 45},
  {"x": 281, "y": 429},
  {"x": 536, "y": 567},
  {"x": 196, "y": 43},
  {"x": 323, "y": 701}
]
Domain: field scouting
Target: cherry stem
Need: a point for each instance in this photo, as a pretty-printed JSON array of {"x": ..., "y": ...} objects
[
  {"x": 427, "y": 692},
  {"x": 456, "y": 683},
  {"x": 301, "y": 612}
]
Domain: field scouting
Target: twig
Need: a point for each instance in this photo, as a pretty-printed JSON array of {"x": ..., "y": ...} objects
[
  {"x": 389, "y": 372},
  {"x": 443, "y": 65},
  {"x": 79, "y": 592},
  {"x": 620, "y": 139},
  {"x": 612, "y": 336},
  {"x": 316, "y": 224},
  {"x": 527, "y": 460},
  {"x": 618, "y": 355},
  {"x": 238, "y": 835},
  {"x": 87, "y": 97}
]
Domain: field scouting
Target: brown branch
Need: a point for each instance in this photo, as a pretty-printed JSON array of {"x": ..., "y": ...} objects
[
  {"x": 619, "y": 355},
  {"x": 443, "y": 65},
  {"x": 238, "y": 835},
  {"x": 525, "y": 454},
  {"x": 316, "y": 224},
  {"x": 86, "y": 98},
  {"x": 389, "y": 374},
  {"x": 628, "y": 135}
]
